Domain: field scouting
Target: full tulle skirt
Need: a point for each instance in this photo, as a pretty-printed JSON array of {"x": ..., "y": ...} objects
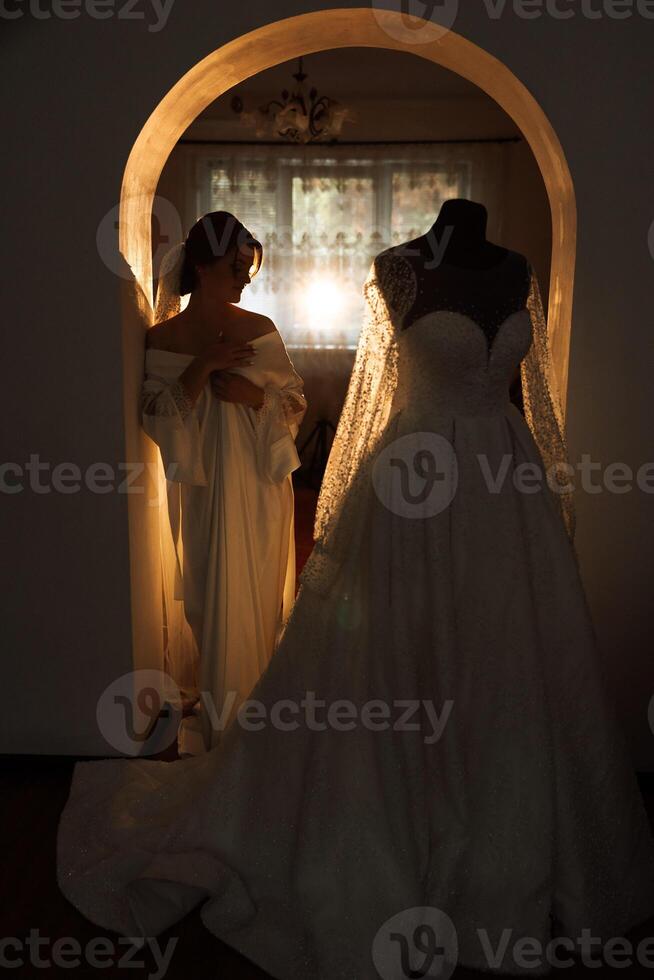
[{"x": 434, "y": 736}]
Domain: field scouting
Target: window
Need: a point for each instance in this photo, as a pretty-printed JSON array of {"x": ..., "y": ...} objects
[{"x": 323, "y": 213}]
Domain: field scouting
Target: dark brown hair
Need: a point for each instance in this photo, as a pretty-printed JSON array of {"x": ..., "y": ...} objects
[{"x": 211, "y": 238}]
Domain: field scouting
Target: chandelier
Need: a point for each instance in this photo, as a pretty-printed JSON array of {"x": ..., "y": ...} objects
[{"x": 297, "y": 116}]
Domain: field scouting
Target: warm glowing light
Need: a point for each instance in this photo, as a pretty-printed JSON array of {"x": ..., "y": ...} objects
[{"x": 323, "y": 302}]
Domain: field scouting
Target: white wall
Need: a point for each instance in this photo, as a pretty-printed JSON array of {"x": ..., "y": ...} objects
[{"x": 75, "y": 95}]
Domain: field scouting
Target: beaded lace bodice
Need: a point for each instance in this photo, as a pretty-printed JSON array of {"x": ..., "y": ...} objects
[
  {"x": 442, "y": 363},
  {"x": 447, "y": 365},
  {"x": 487, "y": 296}
]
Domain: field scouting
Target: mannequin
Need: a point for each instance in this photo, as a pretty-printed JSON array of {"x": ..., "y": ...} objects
[{"x": 457, "y": 268}]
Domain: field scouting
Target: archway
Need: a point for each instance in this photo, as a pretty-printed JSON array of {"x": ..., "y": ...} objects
[{"x": 210, "y": 78}]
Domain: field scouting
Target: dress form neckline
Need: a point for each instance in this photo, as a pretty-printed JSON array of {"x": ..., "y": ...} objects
[{"x": 467, "y": 268}]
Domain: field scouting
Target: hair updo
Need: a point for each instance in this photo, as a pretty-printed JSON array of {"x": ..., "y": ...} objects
[{"x": 211, "y": 238}]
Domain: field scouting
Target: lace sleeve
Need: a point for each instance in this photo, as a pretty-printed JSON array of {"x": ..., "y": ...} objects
[
  {"x": 176, "y": 404},
  {"x": 169, "y": 418},
  {"x": 542, "y": 408},
  {"x": 389, "y": 291},
  {"x": 289, "y": 401}
]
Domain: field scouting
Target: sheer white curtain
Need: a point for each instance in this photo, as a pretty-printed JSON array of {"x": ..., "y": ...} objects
[{"x": 324, "y": 212}]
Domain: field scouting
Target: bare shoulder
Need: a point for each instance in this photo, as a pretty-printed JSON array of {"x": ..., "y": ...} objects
[
  {"x": 252, "y": 325},
  {"x": 164, "y": 335},
  {"x": 156, "y": 336}
]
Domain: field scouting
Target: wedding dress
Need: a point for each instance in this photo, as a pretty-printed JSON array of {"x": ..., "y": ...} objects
[{"x": 316, "y": 836}]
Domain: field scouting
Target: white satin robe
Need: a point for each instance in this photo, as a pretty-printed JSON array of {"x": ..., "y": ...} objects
[{"x": 230, "y": 502}]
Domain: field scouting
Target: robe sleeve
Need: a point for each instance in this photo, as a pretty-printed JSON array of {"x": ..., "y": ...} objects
[
  {"x": 277, "y": 423},
  {"x": 169, "y": 418}
]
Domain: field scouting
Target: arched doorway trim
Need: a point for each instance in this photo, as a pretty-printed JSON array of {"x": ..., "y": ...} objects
[{"x": 227, "y": 66}]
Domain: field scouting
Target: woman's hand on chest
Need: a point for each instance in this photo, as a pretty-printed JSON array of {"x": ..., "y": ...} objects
[{"x": 230, "y": 387}]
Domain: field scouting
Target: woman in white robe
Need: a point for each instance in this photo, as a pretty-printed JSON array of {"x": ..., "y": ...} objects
[{"x": 227, "y": 442}]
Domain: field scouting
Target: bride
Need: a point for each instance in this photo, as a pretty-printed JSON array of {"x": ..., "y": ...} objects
[
  {"x": 430, "y": 771},
  {"x": 224, "y": 404}
]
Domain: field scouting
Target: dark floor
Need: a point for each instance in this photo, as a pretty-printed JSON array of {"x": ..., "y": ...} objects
[{"x": 34, "y": 790}]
